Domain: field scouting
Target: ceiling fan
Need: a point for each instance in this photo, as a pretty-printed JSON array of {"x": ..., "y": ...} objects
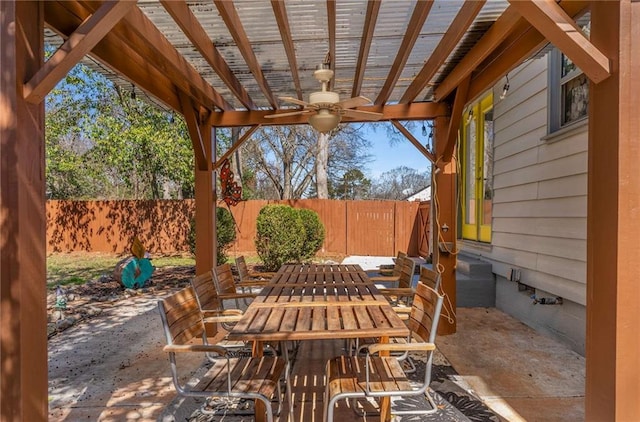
[{"x": 324, "y": 108}]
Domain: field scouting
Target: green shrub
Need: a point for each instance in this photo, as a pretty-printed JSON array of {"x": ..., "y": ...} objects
[
  {"x": 280, "y": 235},
  {"x": 314, "y": 233},
  {"x": 225, "y": 232}
]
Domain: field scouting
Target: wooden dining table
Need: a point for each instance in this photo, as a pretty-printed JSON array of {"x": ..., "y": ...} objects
[{"x": 314, "y": 302}]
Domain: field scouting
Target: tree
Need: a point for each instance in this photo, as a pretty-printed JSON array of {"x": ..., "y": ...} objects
[
  {"x": 399, "y": 183},
  {"x": 104, "y": 142},
  {"x": 284, "y": 159},
  {"x": 353, "y": 185}
]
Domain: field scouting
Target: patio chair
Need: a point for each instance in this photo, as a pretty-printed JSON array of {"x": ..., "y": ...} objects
[
  {"x": 228, "y": 288},
  {"x": 403, "y": 291},
  {"x": 389, "y": 274},
  {"x": 430, "y": 278},
  {"x": 355, "y": 377},
  {"x": 248, "y": 278},
  {"x": 256, "y": 378}
]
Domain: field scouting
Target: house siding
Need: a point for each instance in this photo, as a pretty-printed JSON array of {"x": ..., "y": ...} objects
[{"x": 539, "y": 210}]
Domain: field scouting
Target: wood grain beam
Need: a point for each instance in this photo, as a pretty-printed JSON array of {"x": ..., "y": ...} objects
[
  {"x": 331, "y": 27},
  {"x": 246, "y": 135},
  {"x": 109, "y": 52},
  {"x": 411, "y": 111},
  {"x": 562, "y": 31},
  {"x": 522, "y": 43},
  {"x": 424, "y": 151},
  {"x": 449, "y": 41},
  {"x": 500, "y": 29},
  {"x": 79, "y": 43},
  {"x": 373, "y": 8},
  {"x": 280, "y": 12},
  {"x": 231, "y": 19},
  {"x": 187, "y": 21},
  {"x": 193, "y": 126},
  {"x": 454, "y": 123},
  {"x": 418, "y": 17}
]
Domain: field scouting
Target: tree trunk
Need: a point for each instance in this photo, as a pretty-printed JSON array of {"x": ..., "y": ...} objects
[{"x": 322, "y": 162}]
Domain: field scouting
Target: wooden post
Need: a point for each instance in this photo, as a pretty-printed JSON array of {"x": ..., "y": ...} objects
[
  {"x": 23, "y": 313},
  {"x": 205, "y": 194},
  {"x": 443, "y": 201},
  {"x": 613, "y": 219}
]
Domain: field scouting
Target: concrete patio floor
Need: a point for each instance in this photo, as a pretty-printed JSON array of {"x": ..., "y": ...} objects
[{"x": 112, "y": 368}]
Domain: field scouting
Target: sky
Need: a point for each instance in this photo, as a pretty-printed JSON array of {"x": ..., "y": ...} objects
[{"x": 402, "y": 153}]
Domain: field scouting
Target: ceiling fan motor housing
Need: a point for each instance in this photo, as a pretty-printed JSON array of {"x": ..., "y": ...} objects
[{"x": 324, "y": 97}]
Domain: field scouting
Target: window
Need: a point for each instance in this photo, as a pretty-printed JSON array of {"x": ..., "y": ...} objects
[
  {"x": 477, "y": 170},
  {"x": 568, "y": 90}
]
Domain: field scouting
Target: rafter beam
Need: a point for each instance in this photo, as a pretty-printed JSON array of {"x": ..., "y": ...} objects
[
  {"x": 83, "y": 39},
  {"x": 491, "y": 39},
  {"x": 137, "y": 31},
  {"x": 109, "y": 52},
  {"x": 280, "y": 12},
  {"x": 454, "y": 123},
  {"x": 373, "y": 8},
  {"x": 331, "y": 26},
  {"x": 522, "y": 43},
  {"x": 193, "y": 126},
  {"x": 562, "y": 31},
  {"x": 457, "y": 29},
  {"x": 231, "y": 19},
  {"x": 419, "y": 16},
  {"x": 411, "y": 111},
  {"x": 182, "y": 15},
  {"x": 246, "y": 135},
  {"x": 414, "y": 141}
]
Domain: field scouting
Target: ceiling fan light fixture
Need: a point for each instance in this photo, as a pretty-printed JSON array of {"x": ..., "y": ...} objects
[{"x": 324, "y": 121}]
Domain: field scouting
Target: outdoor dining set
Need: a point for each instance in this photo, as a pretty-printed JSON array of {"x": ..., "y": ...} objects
[{"x": 380, "y": 327}]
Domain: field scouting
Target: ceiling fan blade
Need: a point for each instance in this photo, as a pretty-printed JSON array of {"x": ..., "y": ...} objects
[
  {"x": 362, "y": 115},
  {"x": 291, "y": 113},
  {"x": 294, "y": 101},
  {"x": 354, "y": 102}
]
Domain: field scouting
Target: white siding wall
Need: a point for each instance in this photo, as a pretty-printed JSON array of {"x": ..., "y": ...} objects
[{"x": 540, "y": 197}]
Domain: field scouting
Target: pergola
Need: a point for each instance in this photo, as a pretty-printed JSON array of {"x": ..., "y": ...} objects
[{"x": 224, "y": 64}]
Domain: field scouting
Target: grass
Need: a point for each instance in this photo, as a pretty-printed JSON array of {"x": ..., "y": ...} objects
[{"x": 78, "y": 268}]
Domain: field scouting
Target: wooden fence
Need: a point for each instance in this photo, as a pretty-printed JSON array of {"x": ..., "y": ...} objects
[{"x": 352, "y": 227}]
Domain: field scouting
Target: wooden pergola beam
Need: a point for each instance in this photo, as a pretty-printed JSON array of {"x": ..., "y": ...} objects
[
  {"x": 418, "y": 17},
  {"x": 246, "y": 135},
  {"x": 414, "y": 141},
  {"x": 192, "y": 28},
  {"x": 83, "y": 39},
  {"x": 232, "y": 20},
  {"x": 193, "y": 126},
  {"x": 454, "y": 123},
  {"x": 487, "y": 44},
  {"x": 373, "y": 8},
  {"x": 457, "y": 29},
  {"x": 412, "y": 111},
  {"x": 280, "y": 12},
  {"x": 110, "y": 51},
  {"x": 522, "y": 43},
  {"x": 562, "y": 31}
]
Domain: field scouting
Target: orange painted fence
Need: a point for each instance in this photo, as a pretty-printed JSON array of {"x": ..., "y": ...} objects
[{"x": 352, "y": 227}]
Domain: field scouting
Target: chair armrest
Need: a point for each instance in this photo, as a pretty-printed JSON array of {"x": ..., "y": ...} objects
[
  {"x": 180, "y": 348},
  {"x": 389, "y": 278},
  {"x": 392, "y": 347},
  {"x": 222, "y": 318},
  {"x": 225, "y": 296},
  {"x": 404, "y": 312},
  {"x": 262, "y": 274},
  {"x": 253, "y": 283},
  {"x": 397, "y": 291}
]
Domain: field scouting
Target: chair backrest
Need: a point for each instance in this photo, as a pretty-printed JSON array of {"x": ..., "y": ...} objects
[
  {"x": 397, "y": 268},
  {"x": 181, "y": 317},
  {"x": 425, "y": 313},
  {"x": 407, "y": 268},
  {"x": 223, "y": 277},
  {"x": 430, "y": 278},
  {"x": 205, "y": 292},
  {"x": 243, "y": 271}
]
